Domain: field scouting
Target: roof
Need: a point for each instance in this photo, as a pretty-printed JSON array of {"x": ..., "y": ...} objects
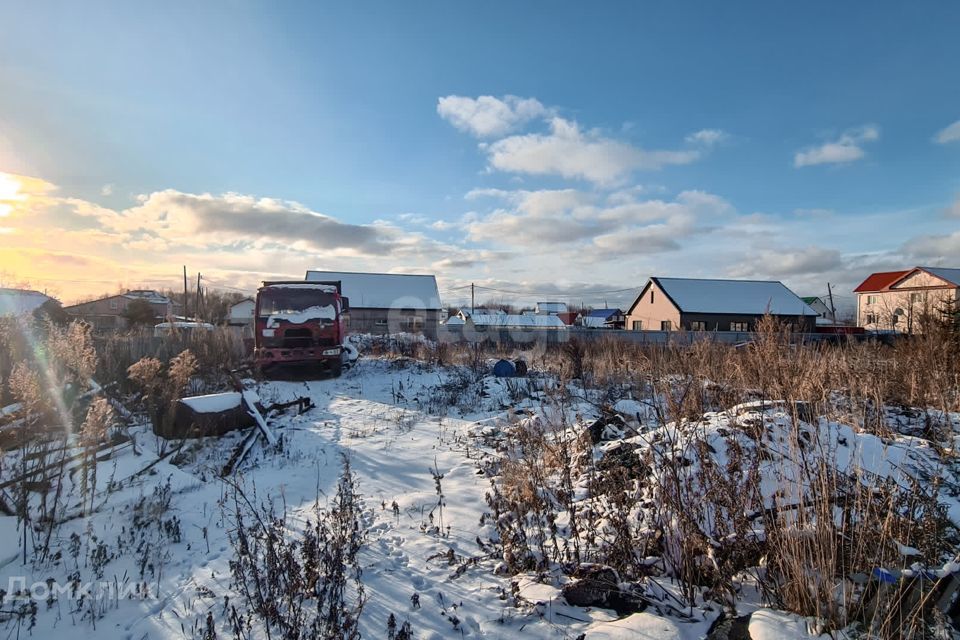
[
  {"x": 603, "y": 313},
  {"x": 950, "y": 275},
  {"x": 384, "y": 290},
  {"x": 146, "y": 294},
  {"x": 551, "y": 307},
  {"x": 811, "y": 299},
  {"x": 514, "y": 320},
  {"x": 880, "y": 281},
  {"x": 740, "y": 297},
  {"x": 16, "y": 302}
]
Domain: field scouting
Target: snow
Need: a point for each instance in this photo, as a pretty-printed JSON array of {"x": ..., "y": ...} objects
[
  {"x": 316, "y": 312},
  {"x": 184, "y": 325},
  {"x": 384, "y": 290},
  {"x": 748, "y": 297},
  {"x": 648, "y": 626},
  {"x": 325, "y": 288},
  {"x": 767, "y": 624},
  {"x": 388, "y": 418},
  {"x": 213, "y": 403},
  {"x": 519, "y": 321}
]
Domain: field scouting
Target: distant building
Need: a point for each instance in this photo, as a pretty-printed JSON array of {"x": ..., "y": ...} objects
[
  {"x": 817, "y": 304},
  {"x": 241, "y": 313},
  {"x": 107, "y": 314},
  {"x": 669, "y": 304},
  {"x": 550, "y": 308},
  {"x": 382, "y": 303},
  {"x": 19, "y": 302},
  {"x": 903, "y": 300},
  {"x": 602, "y": 319},
  {"x": 482, "y": 322}
]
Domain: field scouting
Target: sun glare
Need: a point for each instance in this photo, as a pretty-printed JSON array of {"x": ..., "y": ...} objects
[{"x": 10, "y": 193}]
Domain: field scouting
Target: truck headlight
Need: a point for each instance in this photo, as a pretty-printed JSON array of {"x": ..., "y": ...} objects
[{"x": 331, "y": 352}]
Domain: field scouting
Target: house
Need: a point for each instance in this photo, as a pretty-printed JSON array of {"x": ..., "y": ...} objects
[
  {"x": 241, "y": 313},
  {"x": 817, "y": 304},
  {"x": 108, "y": 313},
  {"x": 550, "y": 308},
  {"x": 19, "y": 302},
  {"x": 602, "y": 319},
  {"x": 668, "y": 304},
  {"x": 903, "y": 300},
  {"x": 382, "y": 303}
]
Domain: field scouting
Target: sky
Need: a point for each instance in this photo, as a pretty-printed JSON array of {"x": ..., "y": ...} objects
[{"x": 538, "y": 149}]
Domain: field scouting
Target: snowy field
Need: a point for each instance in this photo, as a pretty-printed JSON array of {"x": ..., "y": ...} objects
[{"x": 156, "y": 550}]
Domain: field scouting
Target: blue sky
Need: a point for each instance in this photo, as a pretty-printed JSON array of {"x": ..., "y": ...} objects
[{"x": 817, "y": 161}]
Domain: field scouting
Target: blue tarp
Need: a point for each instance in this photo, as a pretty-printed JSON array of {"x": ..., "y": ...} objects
[{"x": 504, "y": 369}]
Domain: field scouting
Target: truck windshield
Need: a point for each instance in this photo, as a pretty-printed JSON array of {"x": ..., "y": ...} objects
[{"x": 297, "y": 305}]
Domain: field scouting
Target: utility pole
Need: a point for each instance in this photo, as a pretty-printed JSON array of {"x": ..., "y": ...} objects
[
  {"x": 185, "y": 291},
  {"x": 473, "y": 301},
  {"x": 833, "y": 310},
  {"x": 196, "y": 311}
]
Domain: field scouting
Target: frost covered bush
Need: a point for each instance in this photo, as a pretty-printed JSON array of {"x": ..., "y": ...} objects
[{"x": 297, "y": 583}]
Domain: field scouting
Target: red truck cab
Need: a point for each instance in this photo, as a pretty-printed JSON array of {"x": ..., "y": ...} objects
[{"x": 300, "y": 323}]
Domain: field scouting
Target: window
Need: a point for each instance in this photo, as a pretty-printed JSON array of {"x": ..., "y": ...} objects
[
  {"x": 638, "y": 325},
  {"x": 666, "y": 325},
  {"x": 114, "y": 305},
  {"x": 916, "y": 297},
  {"x": 873, "y": 299},
  {"x": 651, "y": 296},
  {"x": 871, "y": 318},
  {"x": 739, "y": 326},
  {"x": 380, "y": 322},
  {"x": 698, "y": 325}
]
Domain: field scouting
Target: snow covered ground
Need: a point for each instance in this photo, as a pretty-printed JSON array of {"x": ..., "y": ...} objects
[{"x": 157, "y": 553}]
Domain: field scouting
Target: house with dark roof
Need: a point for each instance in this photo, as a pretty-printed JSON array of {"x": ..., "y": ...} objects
[
  {"x": 382, "y": 303},
  {"x": 903, "y": 301},
  {"x": 602, "y": 319},
  {"x": 669, "y": 304}
]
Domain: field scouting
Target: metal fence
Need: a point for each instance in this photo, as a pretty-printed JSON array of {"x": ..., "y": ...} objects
[{"x": 537, "y": 335}]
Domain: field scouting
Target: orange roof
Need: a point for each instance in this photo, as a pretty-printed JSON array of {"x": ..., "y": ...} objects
[{"x": 880, "y": 281}]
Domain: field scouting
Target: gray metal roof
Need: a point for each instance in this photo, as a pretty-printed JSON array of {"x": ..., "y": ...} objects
[
  {"x": 741, "y": 297},
  {"x": 950, "y": 275}
]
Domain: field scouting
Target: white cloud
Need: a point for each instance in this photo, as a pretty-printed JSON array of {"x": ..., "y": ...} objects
[
  {"x": 541, "y": 220},
  {"x": 707, "y": 137},
  {"x": 780, "y": 263},
  {"x": 571, "y": 153},
  {"x": 106, "y": 190},
  {"x": 949, "y": 134},
  {"x": 846, "y": 148},
  {"x": 487, "y": 116},
  {"x": 934, "y": 249}
]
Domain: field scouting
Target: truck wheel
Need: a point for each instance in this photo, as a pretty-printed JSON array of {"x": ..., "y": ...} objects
[{"x": 336, "y": 368}]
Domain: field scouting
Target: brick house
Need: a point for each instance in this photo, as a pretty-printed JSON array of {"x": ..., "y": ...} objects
[
  {"x": 669, "y": 304},
  {"x": 903, "y": 301}
]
